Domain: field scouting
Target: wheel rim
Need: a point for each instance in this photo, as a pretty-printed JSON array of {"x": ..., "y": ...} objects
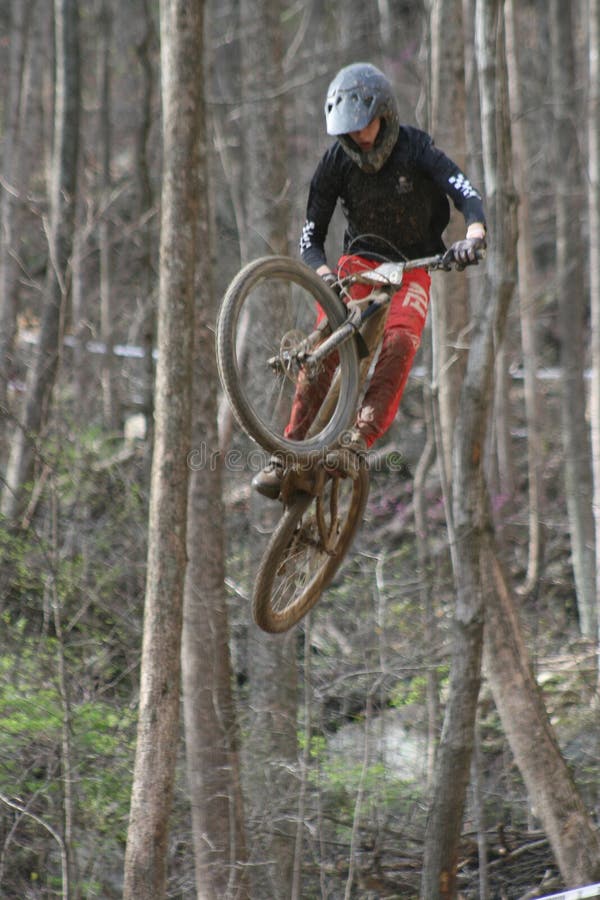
[
  {"x": 261, "y": 379},
  {"x": 315, "y": 550}
]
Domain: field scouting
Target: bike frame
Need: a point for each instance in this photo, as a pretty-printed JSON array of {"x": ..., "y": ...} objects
[
  {"x": 388, "y": 276},
  {"x": 367, "y": 318}
]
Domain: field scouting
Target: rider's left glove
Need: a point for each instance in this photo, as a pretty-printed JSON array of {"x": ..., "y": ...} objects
[
  {"x": 465, "y": 252},
  {"x": 471, "y": 248},
  {"x": 331, "y": 279}
]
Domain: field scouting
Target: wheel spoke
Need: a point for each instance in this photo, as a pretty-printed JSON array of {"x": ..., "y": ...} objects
[
  {"x": 269, "y": 310},
  {"x": 302, "y": 560}
]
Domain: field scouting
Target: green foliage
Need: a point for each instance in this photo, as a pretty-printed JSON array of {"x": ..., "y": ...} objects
[
  {"x": 21, "y": 575},
  {"x": 339, "y": 778},
  {"x": 342, "y": 781},
  {"x": 31, "y": 723},
  {"x": 413, "y": 690},
  {"x": 84, "y": 556}
]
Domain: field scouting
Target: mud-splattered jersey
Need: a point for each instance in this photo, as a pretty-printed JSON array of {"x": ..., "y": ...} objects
[{"x": 397, "y": 213}]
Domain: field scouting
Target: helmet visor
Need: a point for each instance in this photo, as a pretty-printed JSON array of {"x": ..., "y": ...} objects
[{"x": 350, "y": 109}]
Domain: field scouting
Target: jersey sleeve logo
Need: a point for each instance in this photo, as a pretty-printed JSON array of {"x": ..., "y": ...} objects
[
  {"x": 307, "y": 235},
  {"x": 463, "y": 185}
]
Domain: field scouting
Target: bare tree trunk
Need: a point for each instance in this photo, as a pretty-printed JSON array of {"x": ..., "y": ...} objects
[
  {"x": 426, "y": 591},
  {"x": 472, "y": 104},
  {"x": 526, "y": 302},
  {"x": 573, "y": 838},
  {"x": 271, "y": 762},
  {"x": 570, "y": 830},
  {"x": 60, "y": 239},
  {"x": 70, "y": 888},
  {"x": 109, "y": 392},
  {"x": 572, "y": 314},
  {"x": 158, "y": 723},
  {"x": 450, "y": 311},
  {"x": 12, "y": 173},
  {"x": 594, "y": 251},
  {"x": 267, "y": 212},
  {"x": 477, "y": 771},
  {"x": 467, "y": 528},
  {"x": 212, "y": 740},
  {"x": 296, "y": 891},
  {"x": 500, "y": 473},
  {"x": 271, "y": 748},
  {"x": 146, "y": 204},
  {"x": 449, "y": 315},
  {"x": 78, "y": 315}
]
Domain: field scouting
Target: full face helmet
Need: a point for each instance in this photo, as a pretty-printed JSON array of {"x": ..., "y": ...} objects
[{"x": 358, "y": 94}]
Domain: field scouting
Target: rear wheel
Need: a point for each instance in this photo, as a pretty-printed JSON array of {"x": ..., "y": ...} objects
[
  {"x": 306, "y": 550},
  {"x": 268, "y": 311}
]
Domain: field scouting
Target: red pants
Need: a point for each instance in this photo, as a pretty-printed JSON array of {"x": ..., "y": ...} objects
[{"x": 401, "y": 339}]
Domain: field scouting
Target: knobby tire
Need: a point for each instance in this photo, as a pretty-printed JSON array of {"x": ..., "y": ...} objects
[
  {"x": 294, "y": 572},
  {"x": 264, "y": 292}
]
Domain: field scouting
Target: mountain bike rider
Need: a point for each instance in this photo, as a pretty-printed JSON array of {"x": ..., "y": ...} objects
[{"x": 393, "y": 185}]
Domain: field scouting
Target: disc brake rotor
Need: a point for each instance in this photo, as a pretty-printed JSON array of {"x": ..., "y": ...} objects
[{"x": 291, "y": 344}]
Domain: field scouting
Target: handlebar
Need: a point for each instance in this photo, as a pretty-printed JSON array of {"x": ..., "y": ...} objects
[{"x": 391, "y": 273}]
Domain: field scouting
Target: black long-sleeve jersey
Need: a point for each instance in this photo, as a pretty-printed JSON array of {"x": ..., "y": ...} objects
[{"x": 399, "y": 212}]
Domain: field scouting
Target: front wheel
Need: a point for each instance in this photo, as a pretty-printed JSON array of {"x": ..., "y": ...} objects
[
  {"x": 269, "y": 309},
  {"x": 306, "y": 550}
]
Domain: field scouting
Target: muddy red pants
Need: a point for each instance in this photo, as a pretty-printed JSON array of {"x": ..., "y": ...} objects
[{"x": 401, "y": 339}]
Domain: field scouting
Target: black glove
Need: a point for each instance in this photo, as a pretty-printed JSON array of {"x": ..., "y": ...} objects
[
  {"x": 332, "y": 281},
  {"x": 465, "y": 252}
]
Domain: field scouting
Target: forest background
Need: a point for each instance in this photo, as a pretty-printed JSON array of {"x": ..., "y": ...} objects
[{"x": 152, "y": 742}]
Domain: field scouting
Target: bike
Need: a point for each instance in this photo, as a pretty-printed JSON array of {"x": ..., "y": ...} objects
[{"x": 266, "y": 336}]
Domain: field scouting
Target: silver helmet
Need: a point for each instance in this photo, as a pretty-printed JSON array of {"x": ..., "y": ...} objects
[{"x": 357, "y": 95}]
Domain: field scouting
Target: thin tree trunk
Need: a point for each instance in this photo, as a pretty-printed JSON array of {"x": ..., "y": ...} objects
[
  {"x": 360, "y": 792},
  {"x": 78, "y": 316},
  {"x": 572, "y": 311},
  {"x": 570, "y": 830},
  {"x": 271, "y": 749},
  {"x": 158, "y": 722},
  {"x": 109, "y": 393},
  {"x": 477, "y": 773},
  {"x": 450, "y": 312},
  {"x": 526, "y": 302},
  {"x": 145, "y": 205},
  {"x": 228, "y": 142},
  {"x": 573, "y": 837},
  {"x": 12, "y": 174},
  {"x": 500, "y": 469},
  {"x": 70, "y": 886},
  {"x": 212, "y": 740},
  {"x": 468, "y": 520},
  {"x": 594, "y": 266},
  {"x": 60, "y": 238},
  {"x": 296, "y": 891},
  {"x": 426, "y": 574},
  {"x": 449, "y": 315}
]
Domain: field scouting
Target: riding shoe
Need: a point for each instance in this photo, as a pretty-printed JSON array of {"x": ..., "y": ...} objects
[
  {"x": 268, "y": 481},
  {"x": 352, "y": 446}
]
